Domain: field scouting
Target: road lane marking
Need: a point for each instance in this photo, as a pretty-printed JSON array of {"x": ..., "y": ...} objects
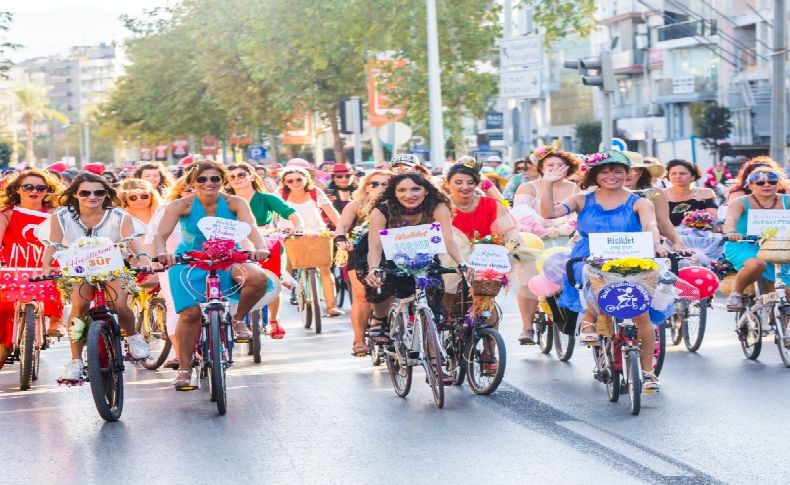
[{"x": 624, "y": 448}]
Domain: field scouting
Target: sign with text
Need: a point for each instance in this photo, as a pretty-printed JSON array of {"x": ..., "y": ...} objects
[
  {"x": 521, "y": 51},
  {"x": 425, "y": 238},
  {"x": 220, "y": 228},
  {"x": 91, "y": 260},
  {"x": 521, "y": 83},
  {"x": 614, "y": 245},
  {"x": 761, "y": 219},
  {"x": 490, "y": 256}
]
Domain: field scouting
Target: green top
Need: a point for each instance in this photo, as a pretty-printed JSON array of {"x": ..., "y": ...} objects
[{"x": 264, "y": 206}]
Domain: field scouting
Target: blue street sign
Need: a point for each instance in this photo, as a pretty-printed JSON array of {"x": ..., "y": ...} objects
[
  {"x": 257, "y": 153},
  {"x": 619, "y": 144}
]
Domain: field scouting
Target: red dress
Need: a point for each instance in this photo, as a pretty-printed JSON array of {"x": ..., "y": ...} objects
[
  {"x": 479, "y": 220},
  {"x": 21, "y": 249}
]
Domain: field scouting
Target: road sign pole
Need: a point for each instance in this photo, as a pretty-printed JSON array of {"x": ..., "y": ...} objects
[
  {"x": 356, "y": 119},
  {"x": 606, "y": 120},
  {"x": 435, "y": 88}
]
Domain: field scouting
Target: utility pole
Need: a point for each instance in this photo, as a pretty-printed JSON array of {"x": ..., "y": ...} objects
[
  {"x": 605, "y": 81},
  {"x": 435, "y": 88},
  {"x": 356, "y": 121},
  {"x": 778, "y": 102},
  {"x": 507, "y": 116}
]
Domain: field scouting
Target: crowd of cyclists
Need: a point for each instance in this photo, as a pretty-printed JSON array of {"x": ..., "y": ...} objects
[{"x": 554, "y": 194}]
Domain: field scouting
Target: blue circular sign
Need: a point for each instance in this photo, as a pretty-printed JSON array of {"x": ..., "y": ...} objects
[{"x": 624, "y": 299}]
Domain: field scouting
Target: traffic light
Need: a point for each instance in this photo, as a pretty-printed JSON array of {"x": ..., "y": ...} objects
[{"x": 603, "y": 78}]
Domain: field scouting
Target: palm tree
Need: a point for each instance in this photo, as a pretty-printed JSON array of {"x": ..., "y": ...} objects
[{"x": 32, "y": 103}]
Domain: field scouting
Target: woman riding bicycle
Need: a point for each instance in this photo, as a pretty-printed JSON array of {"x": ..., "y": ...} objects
[
  {"x": 763, "y": 184},
  {"x": 246, "y": 183},
  {"x": 24, "y": 204},
  {"x": 186, "y": 283},
  {"x": 556, "y": 232},
  {"x": 156, "y": 175},
  {"x": 609, "y": 208},
  {"x": 309, "y": 201},
  {"x": 139, "y": 199},
  {"x": 354, "y": 219},
  {"x": 683, "y": 196},
  {"x": 741, "y": 186},
  {"x": 409, "y": 200},
  {"x": 89, "y": 208}
]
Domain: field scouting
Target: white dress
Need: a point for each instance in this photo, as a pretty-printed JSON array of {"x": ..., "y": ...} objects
[
  {"x": 310, "y": 210},
  {"x": 73, "y": 228}
]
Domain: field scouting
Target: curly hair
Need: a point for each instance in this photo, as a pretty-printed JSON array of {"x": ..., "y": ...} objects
[
  {"x": 10, "y": 195},
  {"x": 465, "y": 168},
  {"x": 750, "y": 166},
  {"x": 68, "y": 197},
  {"x": 361, "y": 194},
  {"x": 180, "y": 185},
  {"x": 308, "y": 180},
  {"x": 134, "y": 185},
  {"x": 433, "y": 197},
  {"x": 255, "y": 179},
  {"x": 165, "y": 179},
  {"x": 568, "y": 158},
  {"x": 693, "y": 168}
]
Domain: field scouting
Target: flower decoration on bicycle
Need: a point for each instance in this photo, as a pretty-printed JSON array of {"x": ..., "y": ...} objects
[
  {"x": 416, "y": 266},
  {"x": 217, "y": 254},
  {"x": 93, "y": 260},
  {"x": 698, "y": 219}
]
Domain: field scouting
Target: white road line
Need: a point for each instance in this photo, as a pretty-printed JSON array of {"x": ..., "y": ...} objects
[{"x": 631, "y": 452}]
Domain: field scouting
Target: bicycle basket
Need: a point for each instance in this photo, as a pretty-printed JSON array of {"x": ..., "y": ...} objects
[
  {"x": 486, "y": 287},
  {"x": 309, "y": 252},
  {"x": 775, "y": 251}
]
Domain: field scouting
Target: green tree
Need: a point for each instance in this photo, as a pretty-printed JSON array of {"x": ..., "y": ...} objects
[
  {"x": 5, "y": 24},
  {"x": 714, "y": 124},
  {"x": 5, "y": 153},
  {"x": 33, "y": 104},
  {"x": 559, "y": 17}
]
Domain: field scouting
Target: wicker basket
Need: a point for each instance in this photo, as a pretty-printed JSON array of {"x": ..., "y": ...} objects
[
  {"x": 775, "y": 251},
  {"x": 727, "y": 284},
  {"x": 309, "y": 252},
  {"x": 486, "y": 287}
]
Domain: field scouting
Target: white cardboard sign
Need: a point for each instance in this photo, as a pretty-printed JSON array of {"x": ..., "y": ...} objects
[
  {"x": 490, "y": 256},
  {"x": 760, "y": 219},
  {"x": 425, "y": 238},
  {"x": 614, "y": 245},
  {"x": 91, "y": 260},
  {"x": 220, "y": 228}
]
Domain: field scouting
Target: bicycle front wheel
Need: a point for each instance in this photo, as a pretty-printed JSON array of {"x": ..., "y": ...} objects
[
  {"x": 660, "y": 350},
  {"x": 634, "y": 380},
  {"x": 400, "y": 374},
  {"x": 105, "y": 369},
  {"x": 694, "y": 324},
  {"x": 432, "y": 357},
  {"x": 783, "y": 338},
  {"x": 312, "y": 284},
  {"x": 485, "y": 361},
  {"x": 563, "y": 345},
  {"x": 750, "y": 334},
  {"x": 544, "y": 332},
  {"x": 155, "y": 333},
  {"x": 27, "y": 348},
  {"x": 216, "y": 362}
]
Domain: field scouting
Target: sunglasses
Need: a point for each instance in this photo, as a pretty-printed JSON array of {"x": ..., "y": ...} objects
[
  {"x": 37, "y": 188},
  {"x": 96, "y": 193},
  {"x": 344, "y": 176},
  {"x": 215, "y": 179},
  {"x": 375, "y": 185},
  {"x": 141, "y": 197},
  {"x": 762, "y": 183},
  {"x": 293, "y": 181},
  {"x": 240, "y": 175}
]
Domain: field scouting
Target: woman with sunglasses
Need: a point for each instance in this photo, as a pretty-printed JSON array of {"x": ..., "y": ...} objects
[
  {"x": 763, "y": 184},
  {"x": 683, "y": 196},
  {"x": 89, "y": 208},
  {"x": 342, "y": 186},
  {"x": 156, "y": 175},
  {"x": 25, "y": 203},
  {"x": 298, "y": 189},
  {"x": 207, "y": 178},
  {"x": 741, "y": 186},
  {"x": 354, "y": 219},
  {"x": 245, "y": 182},
  {"x": 139, "y": 199}
]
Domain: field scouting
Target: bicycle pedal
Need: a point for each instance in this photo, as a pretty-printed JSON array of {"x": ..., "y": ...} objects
[
  {"x": 186, "y": 388},
  {"x": 70, "y": 382},
  {"x": 238, "y": 340},
  {"x": 649, "y": 391}
]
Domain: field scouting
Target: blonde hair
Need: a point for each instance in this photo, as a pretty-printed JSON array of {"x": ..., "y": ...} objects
[
  {"x": 361, "y": 194},
  {"x": 308, "y": 180},
  {"x": 133, "y": 185}
]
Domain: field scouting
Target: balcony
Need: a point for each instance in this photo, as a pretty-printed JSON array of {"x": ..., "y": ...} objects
[
  {"x": 687, "y": 89},
  {"x": 693, "y": 29},
  {"x": 629, "y": 61}
]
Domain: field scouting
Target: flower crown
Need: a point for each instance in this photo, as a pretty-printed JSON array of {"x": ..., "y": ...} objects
[
  {"x": 593, "y": 159},
  {"x": 543, "y": 151}
]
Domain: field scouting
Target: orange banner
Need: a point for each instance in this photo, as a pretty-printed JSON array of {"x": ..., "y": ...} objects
[
  {"x": 300, "y": 130},
  {"x": 380, "y": 110}
]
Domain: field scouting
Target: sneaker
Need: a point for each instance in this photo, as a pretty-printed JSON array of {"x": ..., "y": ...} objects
[
  {"x": 138, "y": 347},
  {"x": 241, "y": 331},
  {"x": 73, "y": 371},
  {"x": 734, "y": 302},
  {"x": 527, "y": 337},
  {"x": 649, "y": 382}
]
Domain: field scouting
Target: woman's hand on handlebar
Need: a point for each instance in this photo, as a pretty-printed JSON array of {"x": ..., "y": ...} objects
[
  {"x": 166, "y": 259},
  {"x": 681, "y": 249},
  {"x": 49, "y": 271},
  {"x": 733, "y": 236},
  {"x": 466, "y": 271},
  {"x": 260, "y": 254},
  {"x": 144, "y": 262},
  {"x": 661, "y": 251},
  {"x": 372, "y": 280}
]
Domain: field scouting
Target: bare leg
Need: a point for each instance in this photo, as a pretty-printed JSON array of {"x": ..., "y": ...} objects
[
  {"x": 79, "y": 307},
  {"x": 3, "y": 354},
  {"x": 119, "y": 299},
  {"x": 255, "y": 284},
  {"x": 750, "y": 273},
  {"x": 328, "y": 287},
  {"x": 527, "y": 306},
  {"x": 187, "y": 333},
  {"x": 647, "y": 337},
  {"x": 274, "y": 309},
  {"x": 360, "y": 308}
]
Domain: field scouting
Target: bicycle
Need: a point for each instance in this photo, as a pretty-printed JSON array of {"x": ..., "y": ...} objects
[
  {"x": 414, "y": 340},
  {"x": 474, "y": 348},
  {"x": 555, "y": 327},
  {"x": 150, "y": 318},
  {"x": 765, "y": 312},
  {"x": 28, "y": 328},
  {"x": 689, "y": 322}
]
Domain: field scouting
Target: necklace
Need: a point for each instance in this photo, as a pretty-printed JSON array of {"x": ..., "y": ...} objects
[
  {"x": 410, "y": 212},
  {"x": 467, "y": 208},
  {"x": 762, "y": 206}
]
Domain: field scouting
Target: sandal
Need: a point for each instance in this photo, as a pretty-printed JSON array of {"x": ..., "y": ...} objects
[
  {"x": 378, "y": 333},
  {"x": 56, "y": 332},
  {"x": 277, "y": 332},
  {"x": 649, "y": 382},
  {"x": 359, "y": 349},
  {"x": 240, "y": 331},
  {"x": 334, "y": 312},
  {"x": 183, "y": 381},
  {"x": 589, "y": 338}
]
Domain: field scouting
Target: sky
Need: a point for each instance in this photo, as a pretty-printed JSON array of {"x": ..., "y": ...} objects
[{"x": 49, "y": 27}]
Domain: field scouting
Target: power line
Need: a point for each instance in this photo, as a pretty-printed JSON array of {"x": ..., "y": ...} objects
[{"x": 730, "y": 20}]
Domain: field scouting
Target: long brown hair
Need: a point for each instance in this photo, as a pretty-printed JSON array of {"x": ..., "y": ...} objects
[
  {"x": 194, "y": 171},
  {"x": 361, "y": 194},
  {"x": 68, "y": 197},
  {"x": 10, "y": 196},
  {"x": 308, "y": 180},
  {"x": 165, "y": 179},
  {"x": 433, "y": 197},
  {"x": 133, "y": 185},
  {"x": 255, "y": 179}
]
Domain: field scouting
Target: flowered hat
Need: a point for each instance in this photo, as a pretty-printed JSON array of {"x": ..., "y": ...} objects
[{"x": 605, "y": 157}]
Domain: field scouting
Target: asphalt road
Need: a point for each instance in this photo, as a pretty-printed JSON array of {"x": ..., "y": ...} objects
[{"x": 312, "y": 413}]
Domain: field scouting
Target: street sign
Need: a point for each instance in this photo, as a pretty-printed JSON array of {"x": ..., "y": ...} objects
[
  {"x": 494, "y": 120},
  {"x": 520, "y": 83},
  {"x": 395, "y": 133},
  {"x": 520, "y": 52},
  {"x": 257, "y": 152},
  {"x": 619, "y": 144}
]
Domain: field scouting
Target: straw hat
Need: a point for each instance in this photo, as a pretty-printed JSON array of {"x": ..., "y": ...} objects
[{"x": 650, "y": 164}]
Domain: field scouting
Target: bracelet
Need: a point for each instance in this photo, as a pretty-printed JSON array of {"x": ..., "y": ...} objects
[
  {"x": 140, "y": 255},
  {"x": 567, "y": 208}
]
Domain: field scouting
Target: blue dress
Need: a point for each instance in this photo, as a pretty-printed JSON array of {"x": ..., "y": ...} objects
[
  {"x": 738, "y": 253},
  {"x": 594, "y": 219},
  {"x": 188, "y": 285}
]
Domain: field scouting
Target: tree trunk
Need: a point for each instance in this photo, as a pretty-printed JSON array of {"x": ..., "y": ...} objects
[
  {"x": 332, "y": 113},
  {"x": 275, "y": 155},
  {"x": 30, "y": 156}
]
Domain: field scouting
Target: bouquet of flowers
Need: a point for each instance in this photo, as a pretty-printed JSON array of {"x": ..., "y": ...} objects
[
  {"x": 78, "y": 331},
  {"x": 624, "y": 266},
  {"x": 723, "y": 268},
  {"x": 490, "y": 239},
  {"x": 218, "y": 254},
  {"x": 416, "y": 266},
  {"x": 698, "y": 219},
  {"x": 359, "y": 232},
  {"x": 629, "y": 276}
]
